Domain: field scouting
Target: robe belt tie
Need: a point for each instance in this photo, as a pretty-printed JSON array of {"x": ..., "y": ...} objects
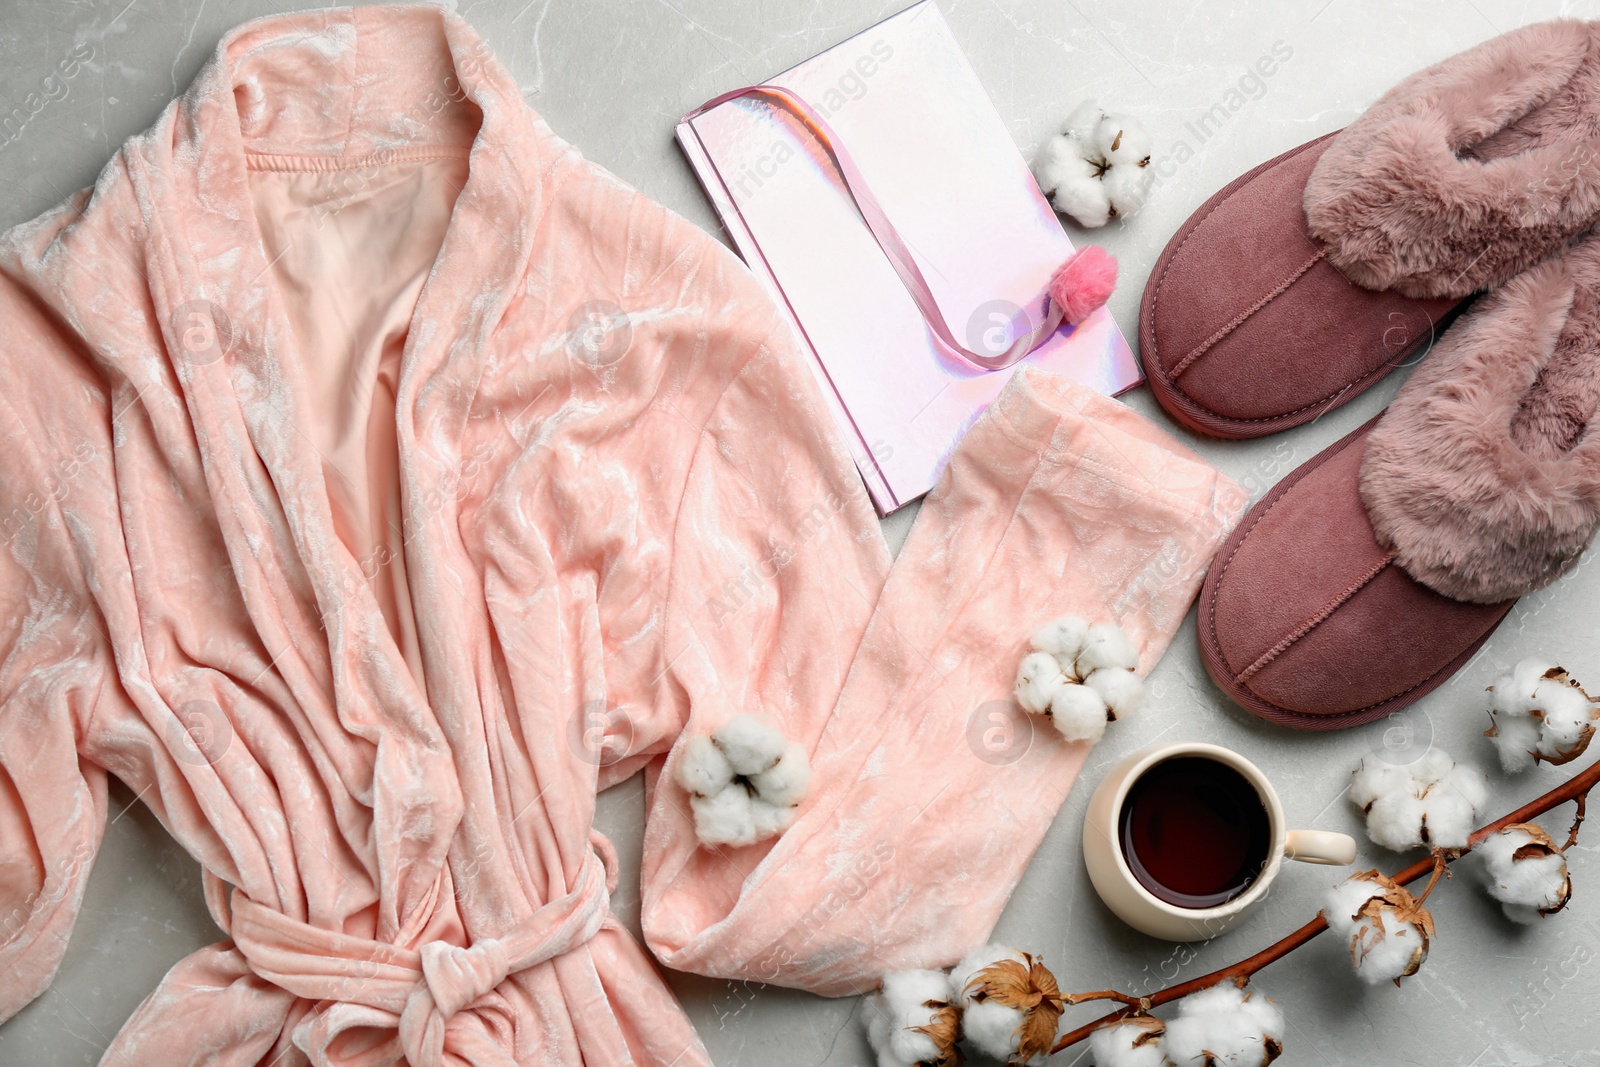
[{"x": 374, "y": 986}]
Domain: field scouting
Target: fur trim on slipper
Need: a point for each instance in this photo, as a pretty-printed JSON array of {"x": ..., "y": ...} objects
[
  {"x": 1483, "y": 477},
  {"x": 1469, "y": 172}
]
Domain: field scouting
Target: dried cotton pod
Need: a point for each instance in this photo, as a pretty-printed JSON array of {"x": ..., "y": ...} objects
[
  {"x": 1010, "y": 1003},
  {"x": 1538, "y": 712},
  {"x": 1223, "y": 1026},
  {"x": 1134, "y": 1042},
  {"x": 1527, "y": 873},
  {"x": 1386, "y": 928},
  {"x": 913, "y": 1021}
]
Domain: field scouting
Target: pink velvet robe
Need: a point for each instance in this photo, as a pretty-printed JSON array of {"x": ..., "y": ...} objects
[{"x": 380, "y": 479}]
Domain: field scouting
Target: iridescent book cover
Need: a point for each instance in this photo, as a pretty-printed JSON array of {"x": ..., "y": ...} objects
[{"x": 901, "y": 98}]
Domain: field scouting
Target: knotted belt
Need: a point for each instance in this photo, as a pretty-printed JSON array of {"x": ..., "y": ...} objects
[{"x": 374, "y": 986}]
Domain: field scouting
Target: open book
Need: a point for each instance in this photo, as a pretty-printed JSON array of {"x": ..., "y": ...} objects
[{"x": 902, "y": 100}]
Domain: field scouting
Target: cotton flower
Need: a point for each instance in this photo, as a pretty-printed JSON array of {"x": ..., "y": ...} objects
[
  {"x": 1080, "y": 675},
  {"x": 1010, "y": 1003},
  {"x": 1386, "y": 929},
  {"x": 1135, "y": 1042},
  {"x": 913, "y": 1020},
  {"x": 1527, "y": 873},
  {"x": 752, "y": 743},
  {"x": 1097, "y": 168},
  {"x": 1223, "y": 1026},
  {"x": 745, "y": 781},
  {"x": 1433, "y": 801},
  {"x": 704, "y": 770},
  {"x": 1539, "y": 713}
]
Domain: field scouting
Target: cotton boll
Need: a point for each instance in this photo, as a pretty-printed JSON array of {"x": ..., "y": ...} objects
[
  {"x": 1127, "y": 189},
  {"x": 1374, "y": 778},
  {"x": 990, "y": 1028},
  {"x": 1222, "y": 1026},
  {"x": 1039, "y": 677},
  {"x": 979, "y": 958},
  {"x": 1071, "y": 180},
  {"x": 725, "y": 817},
  {"x": 1388, "y": 957},
  {"x": 1538, "y": 712},
  {"x": 1567, "y": 714},
  {"x": 1452, "y": 805},
  {"x": 1381, "y": 925},
  {"x": 1135, "y": 1043},
  {"x": 1526, "y": 872},
  {"x": 1078, "y": 713},
  {"x": 1394, "y": 820},
  {"x": 744, "y": 781},
  {"x": 1107, "y": 646},
  {"x": 702, "y": 768},
  {"x": 786, "y": 781},
  {"x": 910, "y": 1000},
  {"x": 1266, "y": 1016},
  {"x": 995, "y": 1023},
  {"x": 769, "y": 819},
  {"x": 1433, "y": 801},
  {"x": 1122, "y": 691},
  {"x": 1343, "y": 901},
  {"x": 751, "y": 742},
  {"x": 1097, "y": 168},
  {"x": 1516, "y": 739},
  {"x": 1516, "y": 691},
  {"x": 1432, "y": 766},
  {"x": 988, "y": 1024},
  {"x": 1062, "y": 638},
  {"x": 1054, "y": 679}
]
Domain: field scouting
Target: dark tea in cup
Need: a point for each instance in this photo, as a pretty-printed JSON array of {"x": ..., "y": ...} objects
[{"x": 1194, "y": 832}]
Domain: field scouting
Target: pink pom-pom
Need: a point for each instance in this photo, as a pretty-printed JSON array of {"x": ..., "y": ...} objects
[{"x": 1084, "y": 283}]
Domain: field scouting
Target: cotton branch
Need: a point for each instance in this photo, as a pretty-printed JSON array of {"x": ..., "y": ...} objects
[
  {"x": 1577, "y": 821},
  {"x": 1574, "y": 789}
]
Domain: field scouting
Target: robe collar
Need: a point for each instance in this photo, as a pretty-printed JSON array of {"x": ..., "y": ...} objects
[{"x": 327, "y": 89}]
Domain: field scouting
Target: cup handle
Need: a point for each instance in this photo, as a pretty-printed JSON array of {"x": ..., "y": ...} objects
[{"x": 1320, "y": 846}]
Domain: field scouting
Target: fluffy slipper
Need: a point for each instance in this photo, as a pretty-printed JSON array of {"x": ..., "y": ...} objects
[
  {"x": 1469, "y": 172},
  {"x": 1372, "y": 573},
  {"x": 1307, "y": 621},
  {"x": 1245, "y": 329},
  {"x": 1483, "y": 477}
]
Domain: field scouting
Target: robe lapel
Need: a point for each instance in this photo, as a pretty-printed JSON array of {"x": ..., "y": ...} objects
[{"x": 240, "y": 368}]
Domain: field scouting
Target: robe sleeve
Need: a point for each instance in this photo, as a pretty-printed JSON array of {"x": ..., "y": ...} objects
[
  {"x": 667, "y": 347},
  {"x": 53, "y": 807},
  {"x": 54, "y": 659}
]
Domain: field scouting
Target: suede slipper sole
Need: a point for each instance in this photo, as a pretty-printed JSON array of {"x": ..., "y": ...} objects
[
  {"x": 1245, "y": 329},
  {"x": 1306, "y": 621}
]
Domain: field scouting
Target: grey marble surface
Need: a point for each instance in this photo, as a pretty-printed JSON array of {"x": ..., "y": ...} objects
[{"x": 612, "y": 76}]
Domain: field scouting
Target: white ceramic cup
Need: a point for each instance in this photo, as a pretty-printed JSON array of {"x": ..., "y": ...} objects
[{"x": 1136, "y": 905}]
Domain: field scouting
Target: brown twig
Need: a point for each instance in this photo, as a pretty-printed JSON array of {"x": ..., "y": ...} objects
[
  {"x": 1577, "y": 821},
  {"x": 1441, "y": 865},
  {"x": 1107, "y": 994},
  {"x": 1575, "y": 788}
]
